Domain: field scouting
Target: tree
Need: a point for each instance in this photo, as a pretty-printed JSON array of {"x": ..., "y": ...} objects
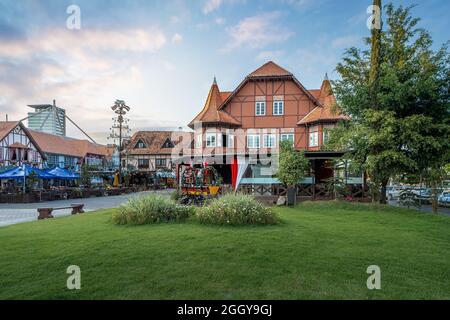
[
  {"x": 292, "y": 165},
  {"x": 86, "y": 175},
  {"x": 407, "y": 129}
]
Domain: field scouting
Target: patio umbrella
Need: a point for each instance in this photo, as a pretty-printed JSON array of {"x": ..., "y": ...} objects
[
  {"x": 21, "y": 173},
  {"x": 63, "y": 174}
]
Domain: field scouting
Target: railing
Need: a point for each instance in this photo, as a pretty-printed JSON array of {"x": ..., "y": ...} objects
[{"x": 305, "y": 191}]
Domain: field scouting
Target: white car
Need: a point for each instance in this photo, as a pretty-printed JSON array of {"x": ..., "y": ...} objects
[
  {"x": 393, "y": 193},
  {"x": 444, "y": 198}
]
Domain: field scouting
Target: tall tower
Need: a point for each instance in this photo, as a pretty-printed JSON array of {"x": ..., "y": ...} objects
[{"x": 47, "y": 118}]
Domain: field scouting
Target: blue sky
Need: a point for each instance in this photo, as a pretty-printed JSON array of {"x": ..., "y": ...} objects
[{"x": 161, "y": 56}]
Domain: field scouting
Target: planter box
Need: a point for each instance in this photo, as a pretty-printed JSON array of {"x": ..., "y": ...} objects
[{"x": 291, "y": 196}]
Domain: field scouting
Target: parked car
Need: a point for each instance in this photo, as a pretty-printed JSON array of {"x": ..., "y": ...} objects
[
  {"x": 393, "y": 192},
  {"x": 424, "y": 196},
  {"x": 444, "y": 198}
]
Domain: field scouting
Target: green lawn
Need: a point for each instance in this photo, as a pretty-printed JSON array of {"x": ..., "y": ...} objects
[{"x": 319, "y": 251}]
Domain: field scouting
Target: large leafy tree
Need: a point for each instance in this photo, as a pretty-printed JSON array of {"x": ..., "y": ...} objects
[{"x": 400, "y": 111}]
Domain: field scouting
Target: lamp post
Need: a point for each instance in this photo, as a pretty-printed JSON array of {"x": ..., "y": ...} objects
[{"x": 120, "y": 129}]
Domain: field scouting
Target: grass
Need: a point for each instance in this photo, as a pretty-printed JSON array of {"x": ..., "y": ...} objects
[{"x": 319, "y": 251}]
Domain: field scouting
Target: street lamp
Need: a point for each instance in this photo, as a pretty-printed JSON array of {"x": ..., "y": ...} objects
[{"x": 120, "y": 129}]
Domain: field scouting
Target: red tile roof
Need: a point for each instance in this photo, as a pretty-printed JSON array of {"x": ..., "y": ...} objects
[
  {"x": 329, "y": 111},
  {"x": 54, "y": 144},
  {"x": 211, "y": 113},
  {"x": 269, "y": 69},
  {"x": 154, "y": 141},
  {"x": 6, "y": 127}
]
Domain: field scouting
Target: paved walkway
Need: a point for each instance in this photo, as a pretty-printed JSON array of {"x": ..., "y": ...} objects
[
  {"x": 424, "y": 208},
  {"x": 12, "y": 213}
]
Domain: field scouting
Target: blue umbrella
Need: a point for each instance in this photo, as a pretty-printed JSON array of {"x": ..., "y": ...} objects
[
  {"x": 24, "y": 171},
  {"x": 21, "y": 173},
  {"x": 63, "y": 174}
]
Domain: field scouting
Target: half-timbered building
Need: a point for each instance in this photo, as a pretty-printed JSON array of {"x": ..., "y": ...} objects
[
  {"x": 17, "y": 146},
  {"x": 239, "y": 131}
]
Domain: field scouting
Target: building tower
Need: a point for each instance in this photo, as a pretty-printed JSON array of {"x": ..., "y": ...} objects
[{"x": 47, "y": 118}]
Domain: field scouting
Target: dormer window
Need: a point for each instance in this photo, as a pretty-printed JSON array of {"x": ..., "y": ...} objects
[
  {"x": 140, "y": 145},
  {"x": 260, "y": 108},
  {"x": 168, "y": 144}
]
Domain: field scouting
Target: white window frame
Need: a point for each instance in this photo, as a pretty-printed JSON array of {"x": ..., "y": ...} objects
[
  {"x": 325, "y": 135},
  {"x": 285, "y": 137},
  {"x": 260, "y": 106},
  {"x": 230, "y": 140},
  {"x": 211, "y": 143},
  {"x": 253, "y": 138},
  {"x": 278, "y": 106},
  {"x": 272, "y": 138},
  {"x": 199, "y": 141},
  {"x": 314, "y": 139}
]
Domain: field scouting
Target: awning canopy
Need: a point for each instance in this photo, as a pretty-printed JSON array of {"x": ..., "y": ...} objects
[
  {"x": 63, "y": 174},
  {"x": 165, "y": 174},
  {"x": 24, "y": 171}
]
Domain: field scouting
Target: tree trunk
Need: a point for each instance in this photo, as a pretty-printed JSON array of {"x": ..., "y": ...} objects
[{"x": 383, "y": 191}]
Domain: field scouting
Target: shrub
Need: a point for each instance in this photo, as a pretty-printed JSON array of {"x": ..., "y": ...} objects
[
  {"x": 151, "y": 209},
  {"x": 176, "y": 195},
  {"x": 236, "y": 209}
]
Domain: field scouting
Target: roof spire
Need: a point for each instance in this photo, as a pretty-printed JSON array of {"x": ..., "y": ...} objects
[
  {"x": 215, "y": 81},
  {"x": 326, "y": 76}
]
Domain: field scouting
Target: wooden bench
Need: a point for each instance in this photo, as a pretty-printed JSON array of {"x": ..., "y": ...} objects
[{"x": 45, "y": 213}]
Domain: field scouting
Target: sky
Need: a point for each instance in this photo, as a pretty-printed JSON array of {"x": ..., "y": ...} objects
[{"x": 161, "y": 56}]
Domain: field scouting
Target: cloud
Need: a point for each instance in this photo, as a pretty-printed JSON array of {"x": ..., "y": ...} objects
[
  {"x": 345, "y": 41},
  {"x": 269, "y": 55},
  {"x": 82, "y": 70},
  {"x": 219, "y": 21},
  {"x": 211, "y": 5},
  {"x": 258, "y": 32},
  {"x": 177, "y": 38}
]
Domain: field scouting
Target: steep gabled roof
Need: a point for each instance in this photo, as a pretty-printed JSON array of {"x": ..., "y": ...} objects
[
  {"x": 269, "y": 69},
  {"x": 7, "y": 126},
  {"x": 155, "y": 140},
  {"x": 211, "y": 113},
  {"x": 328, "y": 111}
]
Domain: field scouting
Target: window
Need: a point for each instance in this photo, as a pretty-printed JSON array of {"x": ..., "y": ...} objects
[
  {"x": 260, "y": 108},
  {"x": 210, "y": 139},
  {"x": 269, "y": 141},
  {"x": 230, "y": 142},
  {"x": 253, "y": 141},
  {"x": 287, "y": 137},
  {"x": 278, "y": 108},
  {"x": 140, "y": 145},
  {"x": 143, "y": 163},
  {"x": 168, "y": 144},
  {"x": 160, "y": 163},
  {"x": 326, "y": 135},
  {"x": 198, "y": 142},
  {"x": 314, "y": 139}
]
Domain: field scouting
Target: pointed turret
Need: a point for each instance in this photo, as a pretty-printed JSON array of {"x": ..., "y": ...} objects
[
  {"x": 210, "y": 112},
  {"x": 328, "y": 111}
]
